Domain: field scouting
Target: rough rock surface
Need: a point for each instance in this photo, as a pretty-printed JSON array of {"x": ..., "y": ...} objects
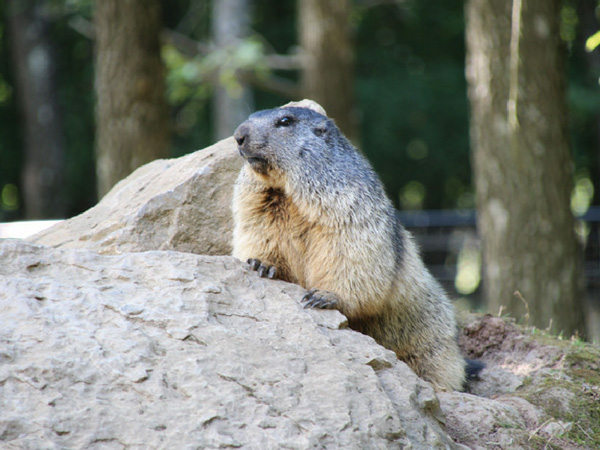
[
  {"x": 166, "y": 349},
  {"x": 181, "y": 204}
]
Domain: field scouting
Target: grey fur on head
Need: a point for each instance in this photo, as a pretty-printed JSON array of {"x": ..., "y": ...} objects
[{"x": 317, "y": 164}]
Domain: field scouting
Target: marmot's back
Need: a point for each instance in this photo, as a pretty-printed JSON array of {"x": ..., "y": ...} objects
[{"x": 309, "y": 209}]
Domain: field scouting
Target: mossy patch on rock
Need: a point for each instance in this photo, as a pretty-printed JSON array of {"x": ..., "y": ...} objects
[{"x": 560, "y": 378}]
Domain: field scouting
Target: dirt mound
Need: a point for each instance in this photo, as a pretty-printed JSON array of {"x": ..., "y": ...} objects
[{"x": 536, "y": 391}]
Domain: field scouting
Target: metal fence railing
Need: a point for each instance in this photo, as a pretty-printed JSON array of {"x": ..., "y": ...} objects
[{"x": 444, "y": 236}]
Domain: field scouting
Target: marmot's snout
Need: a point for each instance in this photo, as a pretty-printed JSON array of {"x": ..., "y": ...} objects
[
  {"x": 241, "y": 134},
  {"x": 242, "y": 137},
  {"x": 248, "y": 150}
]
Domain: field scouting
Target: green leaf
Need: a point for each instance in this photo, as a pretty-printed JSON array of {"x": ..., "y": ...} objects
[{"x": 592, "y": 42}]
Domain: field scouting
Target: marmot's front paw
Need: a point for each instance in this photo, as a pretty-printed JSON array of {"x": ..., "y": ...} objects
[
  {"x": 316, "y": 298},
  {"x": 264, "y": 270}
]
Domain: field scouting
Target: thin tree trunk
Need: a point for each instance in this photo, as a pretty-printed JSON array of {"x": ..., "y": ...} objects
[
  {"x": 231, "y": 104},
  {"x": 522, "y": 164},
  {"x": 132, "y": 113},
  {"x": 328, "y": 59},
  {"x": 35, "y": 74}
]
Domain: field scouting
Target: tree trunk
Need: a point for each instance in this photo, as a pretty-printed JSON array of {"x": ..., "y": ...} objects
[
  {"x": 35, "y": 75},
  {"x": 132, "y": 113},
  {"x": 522, "y": 164},
  {"x": 231, "y": 104},
  {"x": 328, "y": 59}
]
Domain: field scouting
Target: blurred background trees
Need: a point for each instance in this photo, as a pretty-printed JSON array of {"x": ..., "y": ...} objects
[
  {"x": 392, "y": 74},
  {"x": 328, "y": 59},
  {"x": 522, "y": 162},
  {"x": 132, "y": 117},
  {"x": 34, "y": 62},
  {"x": 232, "y": 95}
]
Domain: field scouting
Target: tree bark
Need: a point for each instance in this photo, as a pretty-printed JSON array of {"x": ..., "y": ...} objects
[
  {"x": 521, "y": 162},
  {"x": 132, "y": 113},
  {"x": 231, "y": 104},
  {"x": 328, "y": 60},
  {"x": 33, "y": 57}
]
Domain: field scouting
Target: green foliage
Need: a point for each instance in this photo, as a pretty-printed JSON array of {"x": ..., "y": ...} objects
[
  {"x": 412, "y": 95},
  {"x": 186, "y": 92},
  {"x": 592, "y": 42},
  {"x": 247, "y": 56},
  {"x": 11, "y": 156},
  {"x": 568, "y": 23},
  {"x": 190, "y": 80},
  {"x": 76, "y": 100},
  {"x": 276, "y": 22}
]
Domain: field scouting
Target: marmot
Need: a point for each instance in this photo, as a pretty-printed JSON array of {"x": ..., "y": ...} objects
[{"x": 309, "y": 209}]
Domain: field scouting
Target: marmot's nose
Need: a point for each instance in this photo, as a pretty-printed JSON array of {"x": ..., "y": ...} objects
[{"x": 241, "y": 134}]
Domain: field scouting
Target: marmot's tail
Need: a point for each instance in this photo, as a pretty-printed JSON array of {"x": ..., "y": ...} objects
[{"x": 473, "y": 368}]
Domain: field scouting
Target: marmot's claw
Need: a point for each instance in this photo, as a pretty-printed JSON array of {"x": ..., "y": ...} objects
[
  {"x": 308, "y": 297},
  {"x": 320, "y": 299},
  {"x": 253, "y": 263},
  {"x": 264, "y": 270}
]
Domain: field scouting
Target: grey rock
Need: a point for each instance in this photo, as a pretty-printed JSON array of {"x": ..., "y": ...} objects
[
  {"x": 496, "y": 381},
  {"x": 166, "y": 349},
  {"x": 470, "y": 418},
  {"x": 178, "y": 204}
]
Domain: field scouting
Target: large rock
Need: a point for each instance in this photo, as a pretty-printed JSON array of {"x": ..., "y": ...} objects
[
  {"x": 166, "y": 349},
  {"x": 173, "y": 350},
  {"x": 181, "y": 204}
]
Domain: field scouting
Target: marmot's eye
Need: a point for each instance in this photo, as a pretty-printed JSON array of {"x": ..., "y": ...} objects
[{"x": 285, "y": 121}]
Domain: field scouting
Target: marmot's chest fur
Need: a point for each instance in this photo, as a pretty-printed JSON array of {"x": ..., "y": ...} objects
[
  {"x": 284, "y": 232},
  {"x": 274, "y": 205}
]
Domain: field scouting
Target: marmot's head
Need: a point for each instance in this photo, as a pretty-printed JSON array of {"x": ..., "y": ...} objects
[
  {"x": 299, "y": 149},
  {"x": 284, "y": 140}
]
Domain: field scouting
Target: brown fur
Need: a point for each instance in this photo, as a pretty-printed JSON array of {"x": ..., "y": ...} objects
[{"x": 310, "y": 205}]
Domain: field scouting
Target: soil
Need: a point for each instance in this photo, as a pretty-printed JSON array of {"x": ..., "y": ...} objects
[{"x": 536, "y": 391}]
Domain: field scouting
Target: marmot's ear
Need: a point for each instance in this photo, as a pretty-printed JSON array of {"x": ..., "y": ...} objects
[{"x": 321, "y": 128}]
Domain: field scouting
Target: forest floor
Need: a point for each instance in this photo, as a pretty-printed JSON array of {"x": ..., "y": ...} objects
[{"x": 558, "y": 379}]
